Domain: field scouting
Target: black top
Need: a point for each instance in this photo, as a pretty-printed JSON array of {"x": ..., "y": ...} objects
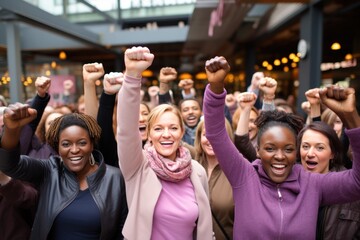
[{"x": 79, "y": 220}]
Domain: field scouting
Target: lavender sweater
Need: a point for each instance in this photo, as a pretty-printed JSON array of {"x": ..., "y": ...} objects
[{"x": 263, "y": 209}]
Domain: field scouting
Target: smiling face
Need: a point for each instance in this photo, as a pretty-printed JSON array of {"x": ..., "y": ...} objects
[
  {"x": 205, "y": 144},
  {"x": 191, "y": 112},
  {"x": 143, "y": 114},
  {"x": 75, "y": 148},
  {"x": 165, "y": 133},
  {"x": 253, "y": 130},
  {"x": 315, "y": 152},
  {"x": 277, "y": 150}
]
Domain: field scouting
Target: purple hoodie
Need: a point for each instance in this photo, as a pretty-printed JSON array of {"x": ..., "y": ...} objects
[{"x": 264, "y": 209}]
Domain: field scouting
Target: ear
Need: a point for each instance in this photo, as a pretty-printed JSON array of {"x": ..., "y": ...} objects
[{"x": 257, "y": 152}]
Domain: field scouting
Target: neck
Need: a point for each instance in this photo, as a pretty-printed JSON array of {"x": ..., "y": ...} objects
[{"x": 212, "y": 161}]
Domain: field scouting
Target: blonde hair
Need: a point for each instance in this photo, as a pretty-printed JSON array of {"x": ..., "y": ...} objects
[
  {"x": 329, "y": 117},
  {"x": 197, "y": 144},
  {"x": 159, "y": 110}
]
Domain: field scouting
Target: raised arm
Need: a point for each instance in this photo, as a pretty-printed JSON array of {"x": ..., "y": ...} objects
[
  {"x": 343, "y": 186},
  {"x": 16, "y": 116},
  {"x": 28, "y": 138},
  {"x": 107, "y": 143},
  {"x": 268, "y": 87},
  {"x": 229, "y": 158},
  {"x": 129, "y": 143},
  {"x": 91, "y": 73},
  {"x": 187, "y": 86},
  {"x": 42, "y": 85},
  {"x": 313, "y": 97},
  {"x": 242, "y": 140},
  {"x": 166, "y": 77}
]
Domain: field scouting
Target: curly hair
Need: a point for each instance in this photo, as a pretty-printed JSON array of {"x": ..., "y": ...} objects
[
  {"x": 73, "y": 119},
  {"x": 268, "y": 119}
]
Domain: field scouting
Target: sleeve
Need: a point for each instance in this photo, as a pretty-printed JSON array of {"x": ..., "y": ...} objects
[
  {"x": 234, "y": 165},
  {"x": 344, "y": 186},
  {"x": 107, "y": 143},
  {"x": 129, "y": 143},
  {"x": 244, "y": 145}
]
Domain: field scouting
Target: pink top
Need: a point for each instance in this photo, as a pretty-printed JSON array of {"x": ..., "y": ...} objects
[{"x": 176, "y": 211}]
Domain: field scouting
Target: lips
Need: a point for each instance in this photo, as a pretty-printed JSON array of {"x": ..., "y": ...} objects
[
  {"x": 142, "y": 128},
  {"x": 311, "y": 164},
  {"x": 75, "y": 159},
  {"x": 278, "y": 169}
]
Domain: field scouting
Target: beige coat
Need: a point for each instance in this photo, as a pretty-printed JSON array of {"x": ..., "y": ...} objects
[{"x": 142, "y": 185}]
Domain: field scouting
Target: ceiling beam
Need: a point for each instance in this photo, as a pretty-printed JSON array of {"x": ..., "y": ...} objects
[
  {"x": 30, "y": 14},
  {"x": 101, "y": 13}
]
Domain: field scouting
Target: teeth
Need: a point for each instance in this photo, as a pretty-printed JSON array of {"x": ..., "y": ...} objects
[
  {"x": 278, "y": 165},
  {"x": 75, "y": 158},
  {"x": 166, "y": 143}
]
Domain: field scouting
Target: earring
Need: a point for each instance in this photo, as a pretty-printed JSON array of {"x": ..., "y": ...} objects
[{"x": 92, "y": 160}]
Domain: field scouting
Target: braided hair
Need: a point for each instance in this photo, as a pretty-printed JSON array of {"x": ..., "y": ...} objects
[
  {"x": 73, "y": 119},
  {"x": 268, "y": 119}
]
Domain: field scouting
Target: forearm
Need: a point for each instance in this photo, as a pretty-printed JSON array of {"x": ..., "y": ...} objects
[
  {"x": 129, "y": 143},
  {"x": 91, "y": 101},
  {"x": 245, "y": 147},
  {"x": 315, "y": 111},
  {"x": 164, "y": 87},
  {"x": 107, "y": 142},
  {"x": 39, "y": 103},
  {"x": 10, "y": 138},
  {"x": 243, "y": 124}
]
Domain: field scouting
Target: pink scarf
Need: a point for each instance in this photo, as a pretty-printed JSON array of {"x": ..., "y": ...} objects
[{"x": 166, "y": 169}]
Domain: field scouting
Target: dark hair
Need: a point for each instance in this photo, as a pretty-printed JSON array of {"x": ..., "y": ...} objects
[
  {"x": 73, "y": 119},
  {"x": 268, "y": 119},
  {"x": 188, "y": 99},
  {"x": 334, "y": 142}
]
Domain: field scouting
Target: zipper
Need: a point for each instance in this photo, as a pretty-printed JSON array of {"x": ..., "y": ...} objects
[{"x": 281, "y": 211}]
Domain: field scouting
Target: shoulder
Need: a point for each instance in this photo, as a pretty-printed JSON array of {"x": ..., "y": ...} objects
[{"x": 198, "y": 168}]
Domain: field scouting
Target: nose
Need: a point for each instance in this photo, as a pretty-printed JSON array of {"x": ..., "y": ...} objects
[
  {"x": 166, "y": 133},
  {"x": 141, "y": 118},
  {"x": 310, "y": 152},
  {"x": 279, "y": 155},
  {"x": 74, "y": 148}
]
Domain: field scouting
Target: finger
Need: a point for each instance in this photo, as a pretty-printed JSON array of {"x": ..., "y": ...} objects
[{"x": 330, "y": 91}]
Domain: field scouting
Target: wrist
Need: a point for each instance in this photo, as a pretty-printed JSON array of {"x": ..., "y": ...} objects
[{"x": 269, "y": 97}]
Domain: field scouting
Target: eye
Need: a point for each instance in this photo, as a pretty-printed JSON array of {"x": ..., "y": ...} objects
[
  {"x": 320, "y": 148},
  {"x": 305, "y": 147},
  {"x": 82, "y": 143},
  {"x": 174, "y": 128},
  {"x": 157, "y": 129},
  {"x": 269, "y": 149},
  {"x": 289, "y": 150},
  {"x": 65, "y": 144}
]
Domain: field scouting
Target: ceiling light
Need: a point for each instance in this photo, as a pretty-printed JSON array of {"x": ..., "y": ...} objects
[
  {"x": 62, "y": 55},
  {"x": 185, "y": 76},
  {"x": 335, "y": 46},
  {"x": 265, "y": 63},
  {"x": 284, "y": 60},
  {"x": 348, "y": 56},
  {"x": 277, "y": 62}
]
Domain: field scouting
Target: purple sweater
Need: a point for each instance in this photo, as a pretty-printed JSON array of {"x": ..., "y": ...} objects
[{"x": 264, "y": 209}]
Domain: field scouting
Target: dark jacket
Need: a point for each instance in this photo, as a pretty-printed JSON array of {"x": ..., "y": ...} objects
[
  {"x": 18, "y": 201},
  {"x": 339, "y": 222},
  {"x": 58, "y": 188}
]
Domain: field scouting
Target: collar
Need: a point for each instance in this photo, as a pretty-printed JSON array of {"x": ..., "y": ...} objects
[{"x": 290, "y": 184}]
